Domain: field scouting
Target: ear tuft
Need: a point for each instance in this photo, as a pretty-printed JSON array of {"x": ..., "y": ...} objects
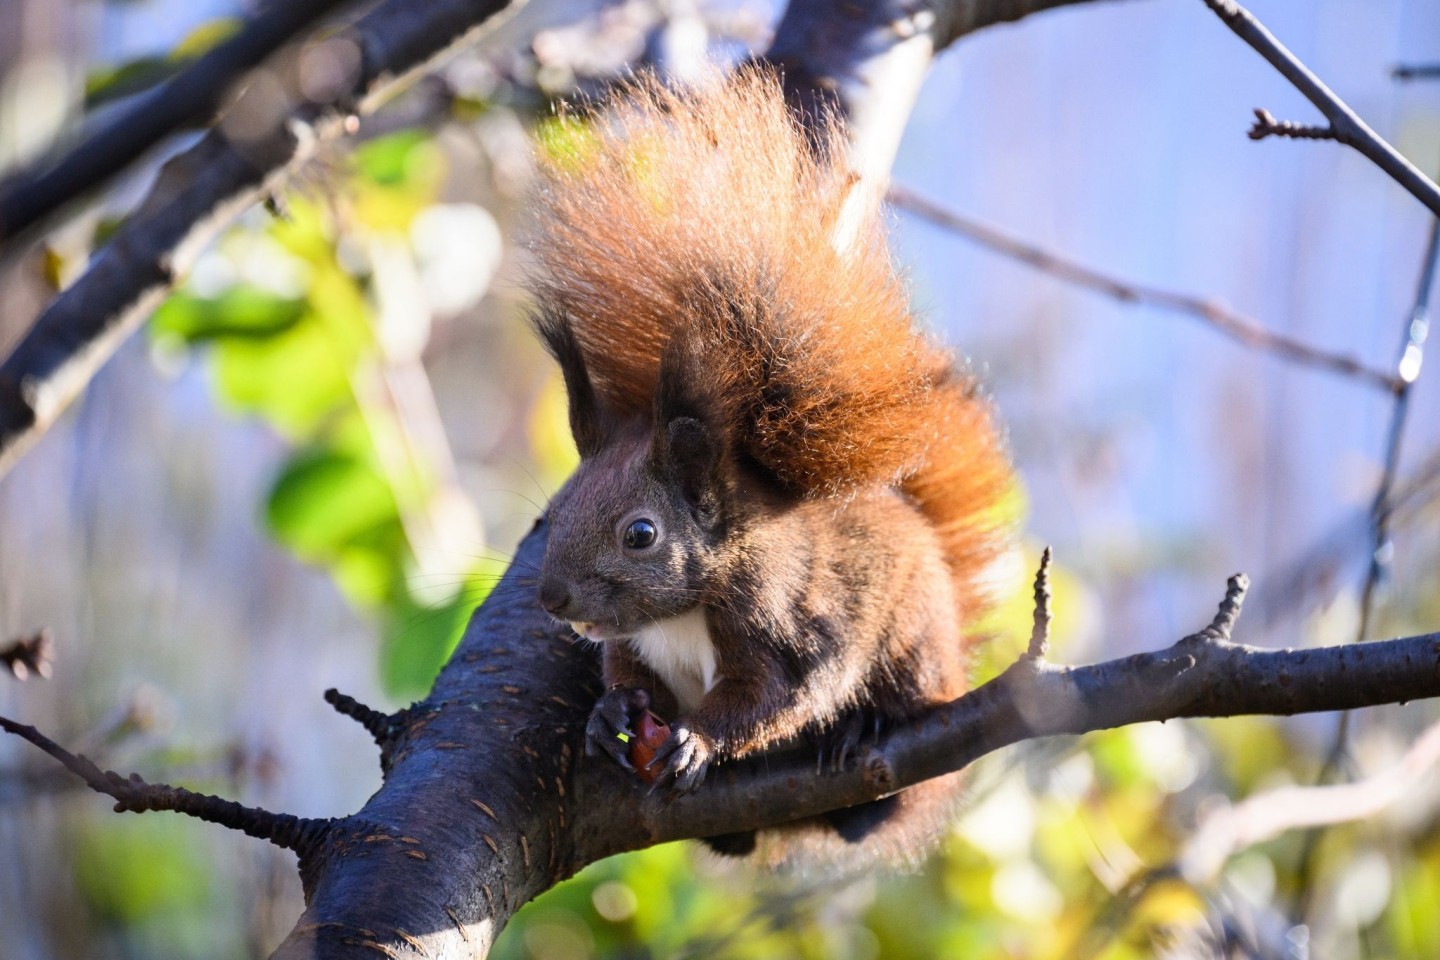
[{"x": 589, "y": 423}]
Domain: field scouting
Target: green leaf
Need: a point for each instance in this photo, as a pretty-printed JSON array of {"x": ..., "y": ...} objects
[
  {"x": 206, "y": 37},
  {"x": 107, "y": 84},
  {"x": 326, "y": 501},
  {"x": 420, "y": 637},
  {"x": 296, "y": 378},
  {"x": 132, "y": 869},
  {"x": 398, "y": 158},
  {"x": 242, "y": 312}
]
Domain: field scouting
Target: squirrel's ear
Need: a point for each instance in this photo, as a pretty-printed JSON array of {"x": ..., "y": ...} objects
[
  {"x": 692, "y": 458},
  {"x": 589, "y": 423},
  {"x": 687, "y": 447}
]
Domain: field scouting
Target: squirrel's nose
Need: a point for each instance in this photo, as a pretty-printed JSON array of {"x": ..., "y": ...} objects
[{"x": 554, "y": 595}]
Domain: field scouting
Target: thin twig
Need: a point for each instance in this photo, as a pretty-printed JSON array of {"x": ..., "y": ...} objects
[
  {"x": 1267, "y": 126},
  {"x": 1234, "y": 325},
  {"x": 186, "y": 100},
  {"x": 1330, "y": 552},
  {"x": 1345, "y": 125},
  {"x": 376, "y": 723},
  {"x": 1408, "y": 364},
  {"x": 1414, "y": 71},
  {"x": 134, "y": 794},
  {"x": 1040, "y": 631},
  {"x": 1223, "y": 624}
]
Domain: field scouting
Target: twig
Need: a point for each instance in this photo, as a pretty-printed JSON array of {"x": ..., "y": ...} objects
[
  {"x": 1319, "y": 560},
  {"x": 1040, "y": 631},
  {"x": 376, "y": 723},
  {"x": 1345, "y": 126},
  {"x": 1213, "y": 314},
  {"x": 1203, "y": 675},
  {"x": 1267, "y": 126},
  {"x": 263, "y": 137},
  {"x": 134, "y": 794},
  {"x": 1412, "y": 71},
  {"x": 185, "y": 100},
  {"x": 27, "y": 655},
  {"x": 1223, "y": 625},
  {"x": 383, "y": 727},
  {"x": 1408, "y": 363}
]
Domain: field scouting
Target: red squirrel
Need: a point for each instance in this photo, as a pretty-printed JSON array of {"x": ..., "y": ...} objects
[{"x": 787, "y": 495}]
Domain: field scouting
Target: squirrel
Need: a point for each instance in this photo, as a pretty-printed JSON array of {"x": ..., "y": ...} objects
[{"x": 788, "y": 496}]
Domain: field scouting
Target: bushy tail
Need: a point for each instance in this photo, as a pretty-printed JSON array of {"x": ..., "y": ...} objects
[
  {"x": 709, "y": 212},
  {"x": 963, "y": 485}
]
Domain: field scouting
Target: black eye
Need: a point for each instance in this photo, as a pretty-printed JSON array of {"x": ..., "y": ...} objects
[{"x": 640, "y": 534}]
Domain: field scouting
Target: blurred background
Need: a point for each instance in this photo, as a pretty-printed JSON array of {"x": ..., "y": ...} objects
[{"x": 310, "y": 465}]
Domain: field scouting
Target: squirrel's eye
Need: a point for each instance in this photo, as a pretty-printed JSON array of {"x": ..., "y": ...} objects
[{"x": 641, "y": 534}]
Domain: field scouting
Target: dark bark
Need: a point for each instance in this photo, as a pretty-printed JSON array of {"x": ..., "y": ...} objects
[
  {"x": 271, "y": 130},
  {"x": 189, "y": 99}
]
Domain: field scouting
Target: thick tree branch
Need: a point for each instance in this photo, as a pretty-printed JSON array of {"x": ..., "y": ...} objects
[
  {"x": 868, "y": 59},
  {"x": 272, "y": 129},
  {"x": 1210, "y": 312},
  {"x": 1345, "y": 125},
  {"x": 188, "y": 99}
]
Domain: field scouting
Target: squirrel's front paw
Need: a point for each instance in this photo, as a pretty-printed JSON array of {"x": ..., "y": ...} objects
[
  {"x": 611, "y": 728},
  {"x": 682, "y": 760}
]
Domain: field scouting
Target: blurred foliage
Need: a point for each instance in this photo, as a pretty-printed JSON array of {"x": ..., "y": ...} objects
[{"x": 290, "y": 333}]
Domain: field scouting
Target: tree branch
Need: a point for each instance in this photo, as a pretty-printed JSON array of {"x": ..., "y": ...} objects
[
  {"x": 134, "y": 794},
  {"x": 1345, "y": 125},
  {"x": 1203, "y": 675},
  {"x": 188, "y": 99},
  {"x": 1234, "y": 325},
  {"x": 485, "y": 806},
  {"x": 271, "y": 130},
  {"x": 1416, "y": 71},
  {"x": 867, "y": 60}
]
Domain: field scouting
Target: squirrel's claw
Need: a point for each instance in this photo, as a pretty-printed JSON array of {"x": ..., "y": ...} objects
[
  {"x": 845, "y": 741},
  {"x": 610, "y": 729},
  {"x": 682, "y": 761}
]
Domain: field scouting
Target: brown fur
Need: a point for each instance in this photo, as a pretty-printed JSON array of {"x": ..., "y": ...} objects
[{"x": 826, "y": 482}]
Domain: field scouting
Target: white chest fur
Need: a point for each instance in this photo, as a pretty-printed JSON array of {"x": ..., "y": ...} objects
[{"x": 680, "y": 652}]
